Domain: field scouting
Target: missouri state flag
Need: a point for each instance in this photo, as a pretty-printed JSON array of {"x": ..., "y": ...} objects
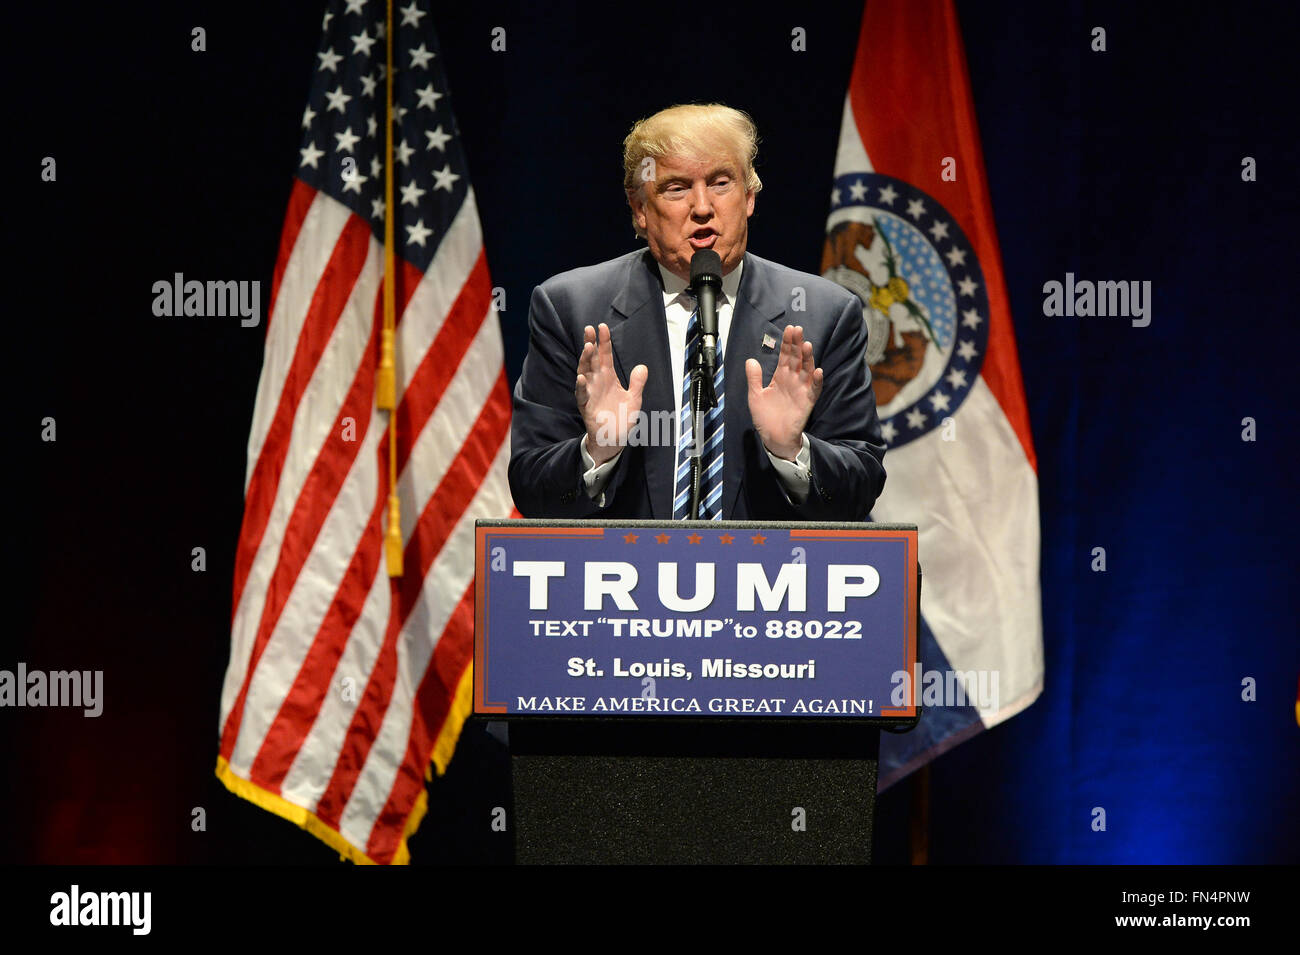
[{"x": 911, "y": 233}]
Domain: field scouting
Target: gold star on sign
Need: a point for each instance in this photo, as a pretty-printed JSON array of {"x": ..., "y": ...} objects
[
  {"x": 662, "y": 538},
  {"x": 629, "y": 538},
  {"x": 726, "y": 538},
  {"x": 695, "y": 538},
  {"x": 758, "y": 539}
]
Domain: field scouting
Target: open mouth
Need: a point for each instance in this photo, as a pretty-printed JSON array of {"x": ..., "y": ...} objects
[{"x": 703, "y": 238}]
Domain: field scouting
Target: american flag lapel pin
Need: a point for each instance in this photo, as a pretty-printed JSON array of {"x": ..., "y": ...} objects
[{"x": 769, "y": 342}]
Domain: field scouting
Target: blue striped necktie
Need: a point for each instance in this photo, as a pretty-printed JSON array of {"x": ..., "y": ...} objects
[{"x": 711, "y": 430}]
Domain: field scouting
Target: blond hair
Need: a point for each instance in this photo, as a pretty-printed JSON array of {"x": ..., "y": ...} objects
[{"x": 691, "y": 132}]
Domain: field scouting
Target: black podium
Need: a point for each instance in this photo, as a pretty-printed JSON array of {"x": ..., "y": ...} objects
[{"x": 690, "y": 787}]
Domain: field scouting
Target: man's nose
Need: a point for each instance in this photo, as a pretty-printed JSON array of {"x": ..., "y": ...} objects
[{"x": 701, "y": 202}]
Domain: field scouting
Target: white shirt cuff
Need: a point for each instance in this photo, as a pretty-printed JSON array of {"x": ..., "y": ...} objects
[
  {"x": 795, "y": 476},
  {"x": 596, "y": 476}
]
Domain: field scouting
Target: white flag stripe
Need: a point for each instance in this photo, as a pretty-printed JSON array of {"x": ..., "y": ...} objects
[
  {"x": 313, "y": 766},
  {"x": 448, "y": 577},
  {"x": 313, "y": 422},
  {"x": 981, "y": 599},
  {"x": 313, "y": 593},
  {"x": 440, "y": 441},
  {"x": 320, "y": 232},
  {"x": 421, "y": 322},
  {"x": 438, "y": 290},
  {"x": 435, "y": 448},
  {"x": 850, "y": 156}
]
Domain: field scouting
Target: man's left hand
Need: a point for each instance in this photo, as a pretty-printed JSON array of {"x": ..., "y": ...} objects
[{"x": 781, "y": 410}]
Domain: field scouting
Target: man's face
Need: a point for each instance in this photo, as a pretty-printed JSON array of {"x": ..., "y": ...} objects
[{"x": 691, "y": 205}]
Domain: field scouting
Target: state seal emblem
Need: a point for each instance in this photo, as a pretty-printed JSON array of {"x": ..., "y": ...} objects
[{"x": 923, "y": 297}]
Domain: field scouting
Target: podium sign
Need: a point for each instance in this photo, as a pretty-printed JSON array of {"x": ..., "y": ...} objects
[{"x": 695, "y": 619}]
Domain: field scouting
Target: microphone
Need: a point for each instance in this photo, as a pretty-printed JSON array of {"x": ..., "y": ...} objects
[{"x": 706, "y": 283}]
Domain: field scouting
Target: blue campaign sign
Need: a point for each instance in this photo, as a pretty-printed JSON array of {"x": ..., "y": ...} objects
[{"x": 720, "y": 619}]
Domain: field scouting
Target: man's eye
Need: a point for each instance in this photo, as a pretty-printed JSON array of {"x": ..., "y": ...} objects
[
  {"x": 722, "y": 185},
  {"x": 675, "y": 190}
]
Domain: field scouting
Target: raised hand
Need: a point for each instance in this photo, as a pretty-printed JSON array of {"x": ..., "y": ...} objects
[
  {"x": 781, "y": 410},
  {"x": 608, "y": 409}
]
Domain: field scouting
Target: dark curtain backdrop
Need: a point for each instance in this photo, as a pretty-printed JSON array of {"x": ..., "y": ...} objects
[{"x": 1116, "y": 165}]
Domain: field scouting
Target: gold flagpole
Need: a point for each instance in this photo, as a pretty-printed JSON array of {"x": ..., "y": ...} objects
[{"x": 386, "y": 380}]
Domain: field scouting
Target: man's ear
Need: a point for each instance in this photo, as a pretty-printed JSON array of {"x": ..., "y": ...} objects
[
  {"x": 635, "y": 201},
  {"x": 749, "y": 203}
]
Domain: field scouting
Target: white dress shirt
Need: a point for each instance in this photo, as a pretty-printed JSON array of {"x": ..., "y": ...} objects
[{"x": 679, "y": 305}]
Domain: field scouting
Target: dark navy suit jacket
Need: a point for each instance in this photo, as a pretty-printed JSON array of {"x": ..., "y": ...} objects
[{"x": 627, "y": 294}]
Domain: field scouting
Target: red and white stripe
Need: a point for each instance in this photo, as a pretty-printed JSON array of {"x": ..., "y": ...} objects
[{"x": 340, "y": 680}]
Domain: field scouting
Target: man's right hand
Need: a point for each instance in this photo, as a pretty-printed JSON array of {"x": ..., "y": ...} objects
[{"x": 608, "y": 409}]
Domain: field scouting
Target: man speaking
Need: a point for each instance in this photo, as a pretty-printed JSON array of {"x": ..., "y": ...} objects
[{"x": 791, "y": 432}]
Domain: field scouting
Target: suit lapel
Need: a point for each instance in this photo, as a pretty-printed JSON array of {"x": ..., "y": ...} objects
[
  {"x": 641, "y": 338},
  {"x": 757, "y": 312}
]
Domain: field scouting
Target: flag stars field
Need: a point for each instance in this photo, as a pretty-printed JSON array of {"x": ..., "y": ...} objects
[
  {"x": 416, "y": 234},
  {"x": 347, "y": 139},
  {"x": 310, "y": 154},
  {"x": 411, "y": 194},
  {"x": 411, "y": 16},
  {"x": 362, "y": 42},
  {"x": 428, "y": 97},
  {"x": 329, "y": 60},
  {"x": 420, "y": 57},
  {"x": 338, "y": 99},
  {"x": 445, "y": 178},
  {"x": 354, "y": 182},
  {"x": 437, "y": 139}
]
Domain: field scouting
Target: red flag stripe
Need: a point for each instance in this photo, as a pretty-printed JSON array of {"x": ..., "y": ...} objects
[
  {"x": 331, "y": 296},
  {"x": 315, "y": 677},
  {"x": 320, "y": 232},
  {"x": 428, "y": 383},
  {"x": 442, "y": 359},
  {"x": 300, "y": 200},
  {"x": 315, "y": 499},
  {"x": 436, "y": 522},
  {"x": 433, "y": 703},
  {"x": 442, "y": 675}
]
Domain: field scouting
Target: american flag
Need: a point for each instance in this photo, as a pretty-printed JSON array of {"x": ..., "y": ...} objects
[{"x": 343, "y": 684}]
